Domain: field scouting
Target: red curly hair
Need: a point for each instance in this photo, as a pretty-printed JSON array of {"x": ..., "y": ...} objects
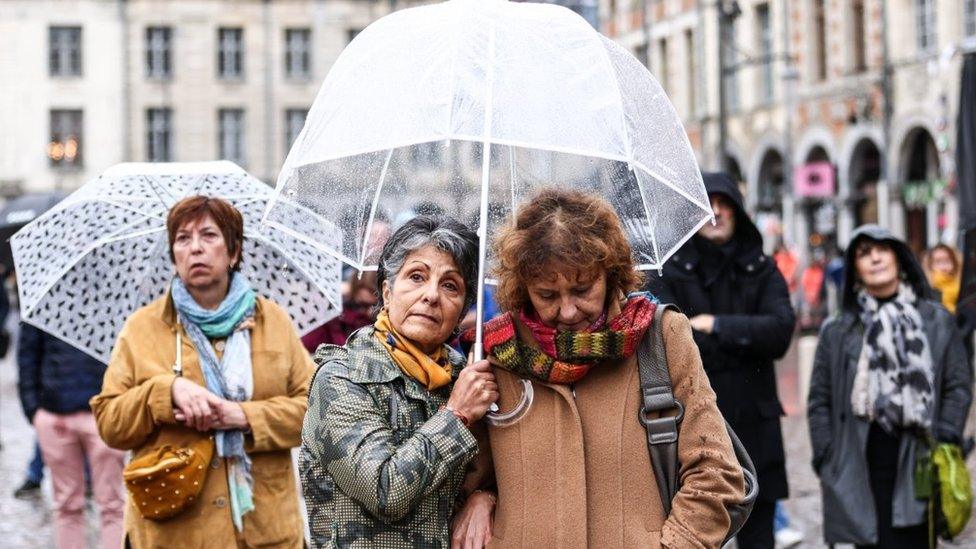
[{"x": 568, "y": 227}]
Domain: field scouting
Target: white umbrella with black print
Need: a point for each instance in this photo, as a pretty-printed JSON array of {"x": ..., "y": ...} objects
[{"x": 88, "y": 263}]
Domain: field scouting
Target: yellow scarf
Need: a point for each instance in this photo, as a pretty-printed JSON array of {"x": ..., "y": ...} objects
[
  {"x": 432, "y": 372},
  {"x": 949, "y": 286}
]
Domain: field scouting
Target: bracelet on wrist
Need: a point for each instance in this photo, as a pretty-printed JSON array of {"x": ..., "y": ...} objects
[
  {"x": 491, "y": 495},
  {"x": 463, "y": 418}
]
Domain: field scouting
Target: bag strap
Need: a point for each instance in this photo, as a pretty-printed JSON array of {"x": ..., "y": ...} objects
[{"x": 657, "y": 396}]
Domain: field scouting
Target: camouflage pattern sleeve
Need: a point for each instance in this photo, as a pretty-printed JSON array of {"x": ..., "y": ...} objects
[{"x": 387, "y": 472}]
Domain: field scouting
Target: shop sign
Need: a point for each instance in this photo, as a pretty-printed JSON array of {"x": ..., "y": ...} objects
[{"x": 815, "y": 180}]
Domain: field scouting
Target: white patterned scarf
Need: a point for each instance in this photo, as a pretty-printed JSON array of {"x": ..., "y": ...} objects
[{"x": 893, "y": 385}]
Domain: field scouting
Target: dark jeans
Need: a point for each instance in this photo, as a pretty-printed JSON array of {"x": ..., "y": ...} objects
[
  {"x": 882, "y": 454},
  {"x": 757, "y": 532},
  {"x": 35, "y": 469}
]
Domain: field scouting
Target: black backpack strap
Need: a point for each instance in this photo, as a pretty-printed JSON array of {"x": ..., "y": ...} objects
[{"x": 657, "y": 396}]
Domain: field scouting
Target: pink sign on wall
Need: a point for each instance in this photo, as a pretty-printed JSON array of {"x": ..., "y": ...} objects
[{"x": 815, "y": 179}]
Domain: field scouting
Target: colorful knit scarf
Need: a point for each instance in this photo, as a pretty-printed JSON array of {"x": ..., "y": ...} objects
[
  {"x": 565, "y": 356},
  {"x": 433, "y": 372}
]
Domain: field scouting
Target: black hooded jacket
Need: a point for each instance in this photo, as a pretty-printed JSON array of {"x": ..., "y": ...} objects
[{"x": 749, "y": 298}]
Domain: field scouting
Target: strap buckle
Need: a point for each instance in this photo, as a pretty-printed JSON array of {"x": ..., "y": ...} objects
[{"x": 662, "y": 430}]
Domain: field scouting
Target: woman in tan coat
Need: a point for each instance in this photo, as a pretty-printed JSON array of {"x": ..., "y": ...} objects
[
  {"x": 575, "y": 470},
  {"x": 241, "y": 377}
]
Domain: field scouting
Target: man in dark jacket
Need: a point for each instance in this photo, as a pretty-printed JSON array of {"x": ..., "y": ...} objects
[
  {"x": 55, "y": 382},
  {"x": 739, "y": 308}
]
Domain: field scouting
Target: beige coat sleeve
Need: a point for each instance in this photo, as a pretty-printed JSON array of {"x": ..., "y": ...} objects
[
  {"x": 710, "y": 475},
  {"x": 127, "y": 413},
  {"x": 276, "y": 422}
]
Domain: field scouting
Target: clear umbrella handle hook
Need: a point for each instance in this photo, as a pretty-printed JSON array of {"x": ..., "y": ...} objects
[{"x": 513, "y": 416}]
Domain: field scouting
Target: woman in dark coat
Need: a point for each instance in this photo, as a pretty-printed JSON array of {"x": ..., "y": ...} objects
[{"x": 889, "y": 370}]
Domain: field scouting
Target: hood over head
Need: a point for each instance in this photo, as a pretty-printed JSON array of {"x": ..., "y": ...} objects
[
  {"x": 907, "y": 263},
  {"x": 722, "y": 183}
]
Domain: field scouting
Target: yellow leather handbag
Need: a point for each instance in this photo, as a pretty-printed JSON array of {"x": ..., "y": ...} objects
[{"x": 168, "y": 480}]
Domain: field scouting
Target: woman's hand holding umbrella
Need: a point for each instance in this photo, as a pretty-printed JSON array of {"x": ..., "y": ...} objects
[{"x": 474, "y": 391}]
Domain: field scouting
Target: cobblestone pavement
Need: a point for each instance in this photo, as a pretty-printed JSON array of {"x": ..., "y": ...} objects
[{"x": 28, "y": 523}]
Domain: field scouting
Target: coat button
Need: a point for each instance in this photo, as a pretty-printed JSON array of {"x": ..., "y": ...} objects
[
  {"x": 215, "y": 463},
  {"x": 221, "y": 501},
  {"x": 687, "y": 266}
]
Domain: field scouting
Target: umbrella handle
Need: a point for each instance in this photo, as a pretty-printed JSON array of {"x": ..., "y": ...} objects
[{"x": 511, "y": 417}]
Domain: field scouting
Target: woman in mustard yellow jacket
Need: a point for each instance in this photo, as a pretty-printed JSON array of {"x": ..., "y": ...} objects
[{"x": 244, "y": 381}]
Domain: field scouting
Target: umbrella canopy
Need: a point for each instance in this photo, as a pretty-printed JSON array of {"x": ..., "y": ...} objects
[
  {"x": 18, "y": 212},
  {"x": 476, "y": 102},
  {"x": 88, "y": 263},
  {"x": 473, "y": 105}
]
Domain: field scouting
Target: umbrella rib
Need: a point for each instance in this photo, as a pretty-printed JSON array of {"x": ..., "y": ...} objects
[
  {"x": 682, "y": 192},
  {"x": 372, "y": 209},
  {"x": 324, "y": 249},
  {"x": 299, "y": 268},
  {"x": 680, "y": 243},
  {"x": 647, "y": 212}
]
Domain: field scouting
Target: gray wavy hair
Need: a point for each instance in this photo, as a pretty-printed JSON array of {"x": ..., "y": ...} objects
[{"x": 444, "y": 233}]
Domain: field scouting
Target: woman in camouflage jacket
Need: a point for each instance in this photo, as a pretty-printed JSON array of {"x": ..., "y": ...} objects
[{"x": 386, "y": 440}]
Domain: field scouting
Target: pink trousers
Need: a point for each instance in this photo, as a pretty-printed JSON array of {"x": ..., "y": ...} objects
[{"x": 65, "y": 441}]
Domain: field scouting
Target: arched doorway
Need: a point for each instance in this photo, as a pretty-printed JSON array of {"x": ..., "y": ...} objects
[
  {"x": 921, "y": 188},
  {"x": 865, "y": 170},
  {"x": 769, "y": 199},
  {"x": 815, "y": 187}
]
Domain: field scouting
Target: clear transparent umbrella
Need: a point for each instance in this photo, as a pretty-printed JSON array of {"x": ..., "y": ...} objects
[
  {"x": 473, "y": 105},
  {"x": 88, "y": 263}
]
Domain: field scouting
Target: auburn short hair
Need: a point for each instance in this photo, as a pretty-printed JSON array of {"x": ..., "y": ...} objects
[
  {"x": 568, "y": 227},
  {"x": 228, "y": 220}
]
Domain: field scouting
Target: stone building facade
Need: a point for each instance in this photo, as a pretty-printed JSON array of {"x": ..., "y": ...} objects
[
  {"x": 805, "y": 95},
  {"x": 86, "y": 84}
]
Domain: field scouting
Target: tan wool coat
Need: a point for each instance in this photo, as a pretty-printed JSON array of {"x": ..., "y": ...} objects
[
  {"x": 575, "y": 471},
  {"x": 134, "y": 412}
]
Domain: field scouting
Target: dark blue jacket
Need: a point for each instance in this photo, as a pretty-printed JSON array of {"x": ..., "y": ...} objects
[{"x": 53, "y": 374}]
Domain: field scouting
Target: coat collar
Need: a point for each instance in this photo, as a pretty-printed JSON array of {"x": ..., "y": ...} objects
[{"x": 369, "y": 362}]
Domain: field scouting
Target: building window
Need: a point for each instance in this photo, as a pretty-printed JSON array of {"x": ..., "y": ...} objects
[
  {"x": 231, "y": 135},
  {"x": 819, "y": 41},
  {"x": 298, "y": 48},
  {"x": 969, "y": 18},
  {"x": 159, "y": 63},
  {"x": 692, "y": 72},
  {"x": 294, "y": 122},
  {"x": 64, "y": 149},
  {"x": 731, "y": 68},
  {"x": 925, "y": 25},
  {"x": 159, "y": 135},
  {"x": 858, "y": 34},
  {"x": 765, "y": 35},
  {"x": 65, "y": 51},
  {"x": 230, "y": 53},
  {"x": 662, "y": 52}
]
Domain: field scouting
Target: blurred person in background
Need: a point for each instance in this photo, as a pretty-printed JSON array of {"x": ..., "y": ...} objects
[
  {"x": 943, "y": 268},
  {"x": 56, "y": 381},
  {"x": 357, "y": 311},
  {"x": 739, "y": 307},
  {"x": 889, "y": 373}
]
